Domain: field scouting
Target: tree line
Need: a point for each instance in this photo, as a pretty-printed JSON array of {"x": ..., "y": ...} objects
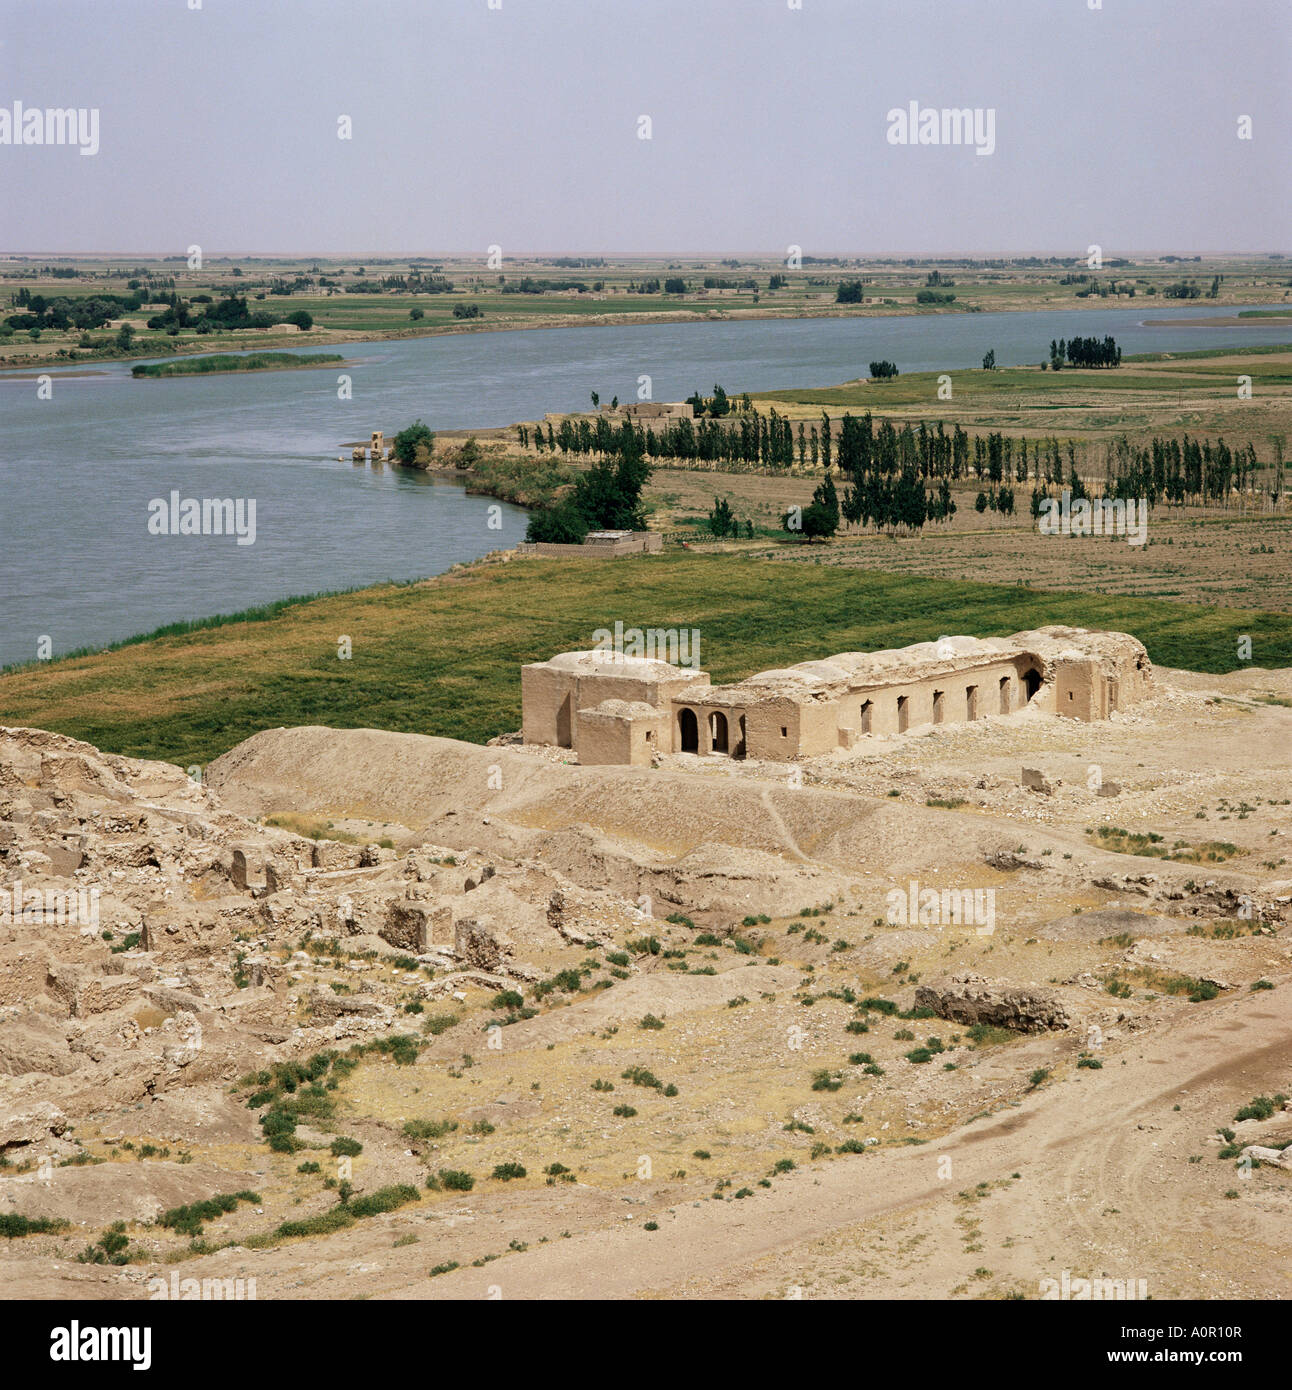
[
  {"x": 1084, "y": 352},
  {"x": 869, "y": 452}
]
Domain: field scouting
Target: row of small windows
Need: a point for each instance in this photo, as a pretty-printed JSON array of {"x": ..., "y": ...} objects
[{"x": 720, "y": 734}]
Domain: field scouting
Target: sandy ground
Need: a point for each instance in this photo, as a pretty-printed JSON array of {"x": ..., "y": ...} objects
[{"x": 1003, "y": 1162}]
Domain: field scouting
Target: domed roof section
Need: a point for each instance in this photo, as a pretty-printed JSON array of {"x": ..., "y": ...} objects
[{"x": 612, "y": 663}]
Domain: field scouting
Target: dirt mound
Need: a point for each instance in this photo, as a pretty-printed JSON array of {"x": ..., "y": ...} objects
[{"x": 1107, "y": 922}]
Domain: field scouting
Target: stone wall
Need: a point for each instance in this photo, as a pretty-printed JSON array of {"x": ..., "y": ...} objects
[{"x": 635, "y": 543}]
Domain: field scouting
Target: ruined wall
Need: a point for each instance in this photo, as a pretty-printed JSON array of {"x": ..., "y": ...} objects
[
  {"x": 625, "y": 739},
  {"x": 954, "y": 697},
  {"x": 638, "y": 543},
  {"x": 547, "y": 709},
  {"x": 552, "y": 697}
]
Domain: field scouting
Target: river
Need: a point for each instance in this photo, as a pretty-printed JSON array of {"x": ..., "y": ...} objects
[{"x": 79, "y": 470}]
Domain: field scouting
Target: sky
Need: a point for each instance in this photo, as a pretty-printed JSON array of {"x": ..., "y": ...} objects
[{"x": 518, "y": 123}]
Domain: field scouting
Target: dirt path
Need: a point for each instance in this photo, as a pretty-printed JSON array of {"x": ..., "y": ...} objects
[{"x": 1125, "y": 1139}]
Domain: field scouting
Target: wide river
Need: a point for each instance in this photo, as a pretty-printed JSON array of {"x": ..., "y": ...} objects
[{"x": 78, "y": 470}]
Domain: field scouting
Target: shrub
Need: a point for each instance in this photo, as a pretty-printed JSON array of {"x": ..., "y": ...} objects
[
  {"x": 641, "y": 1076},
  {"x": 1258, "y": 1108},
  {"x": 384, "y": 1199},
  {"x": 347, "y": 1148},
  {"x": 429, "y": 1129},
  {"x": 651, "y": 1022},
  {"x": 455, "y": 1180},
  {"x": 109, "y": 1249},
  {"x": 12, "y": 1225},
  {"x": 505, "y": 1172},
  {"x": 412, "y": 440},
  {"x": 334, "y": 1219}
]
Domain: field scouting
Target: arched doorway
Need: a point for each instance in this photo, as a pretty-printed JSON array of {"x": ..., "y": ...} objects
[
  {"x": 688, "y": 729},
  {"x": 903, "y": 714},
  {"x": 938, "y": 707},
  {"x": 740, "y": 750},
  {"x": 867, "y": 708},
  {"x": 1031, "y": 681},
  {"x": 718, "y": 732},
  {"x": 971, "y": 702},
  {"x": 1006, "y": 695}
]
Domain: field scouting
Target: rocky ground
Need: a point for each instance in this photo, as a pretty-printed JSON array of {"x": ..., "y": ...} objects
[{"x": 656, "y": 1032}]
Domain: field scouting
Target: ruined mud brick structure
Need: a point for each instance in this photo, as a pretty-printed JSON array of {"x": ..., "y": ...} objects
[
  {"x": 626, "y": 701},
  {"x": 599, "y": 545},
  {"x": 612, "y": 708},
  {"x": 657, "y": 412}
]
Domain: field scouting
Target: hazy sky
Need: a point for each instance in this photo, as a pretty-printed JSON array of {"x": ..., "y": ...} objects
[{"x": 519, "y": 125}]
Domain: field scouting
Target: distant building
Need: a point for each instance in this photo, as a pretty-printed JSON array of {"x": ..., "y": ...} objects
[
  {"x": 599, "y": 545},
  {"x": 651, "y": 412}
]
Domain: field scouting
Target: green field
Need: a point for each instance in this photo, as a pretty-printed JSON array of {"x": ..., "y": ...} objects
[
  {"x": 1159, "y": 373},
  {"x": 442, "y": 656},
  {"x": 236, "y": 362}
]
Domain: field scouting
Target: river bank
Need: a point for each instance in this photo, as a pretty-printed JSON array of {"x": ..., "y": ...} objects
[{"x": 525, "y": 323}]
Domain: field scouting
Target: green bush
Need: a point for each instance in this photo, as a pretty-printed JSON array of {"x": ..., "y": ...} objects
[
  {"x": 429, "y": 1129},
  {"x": 12, "y": 1225},
  {"x": 384, "y": 1199}
]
